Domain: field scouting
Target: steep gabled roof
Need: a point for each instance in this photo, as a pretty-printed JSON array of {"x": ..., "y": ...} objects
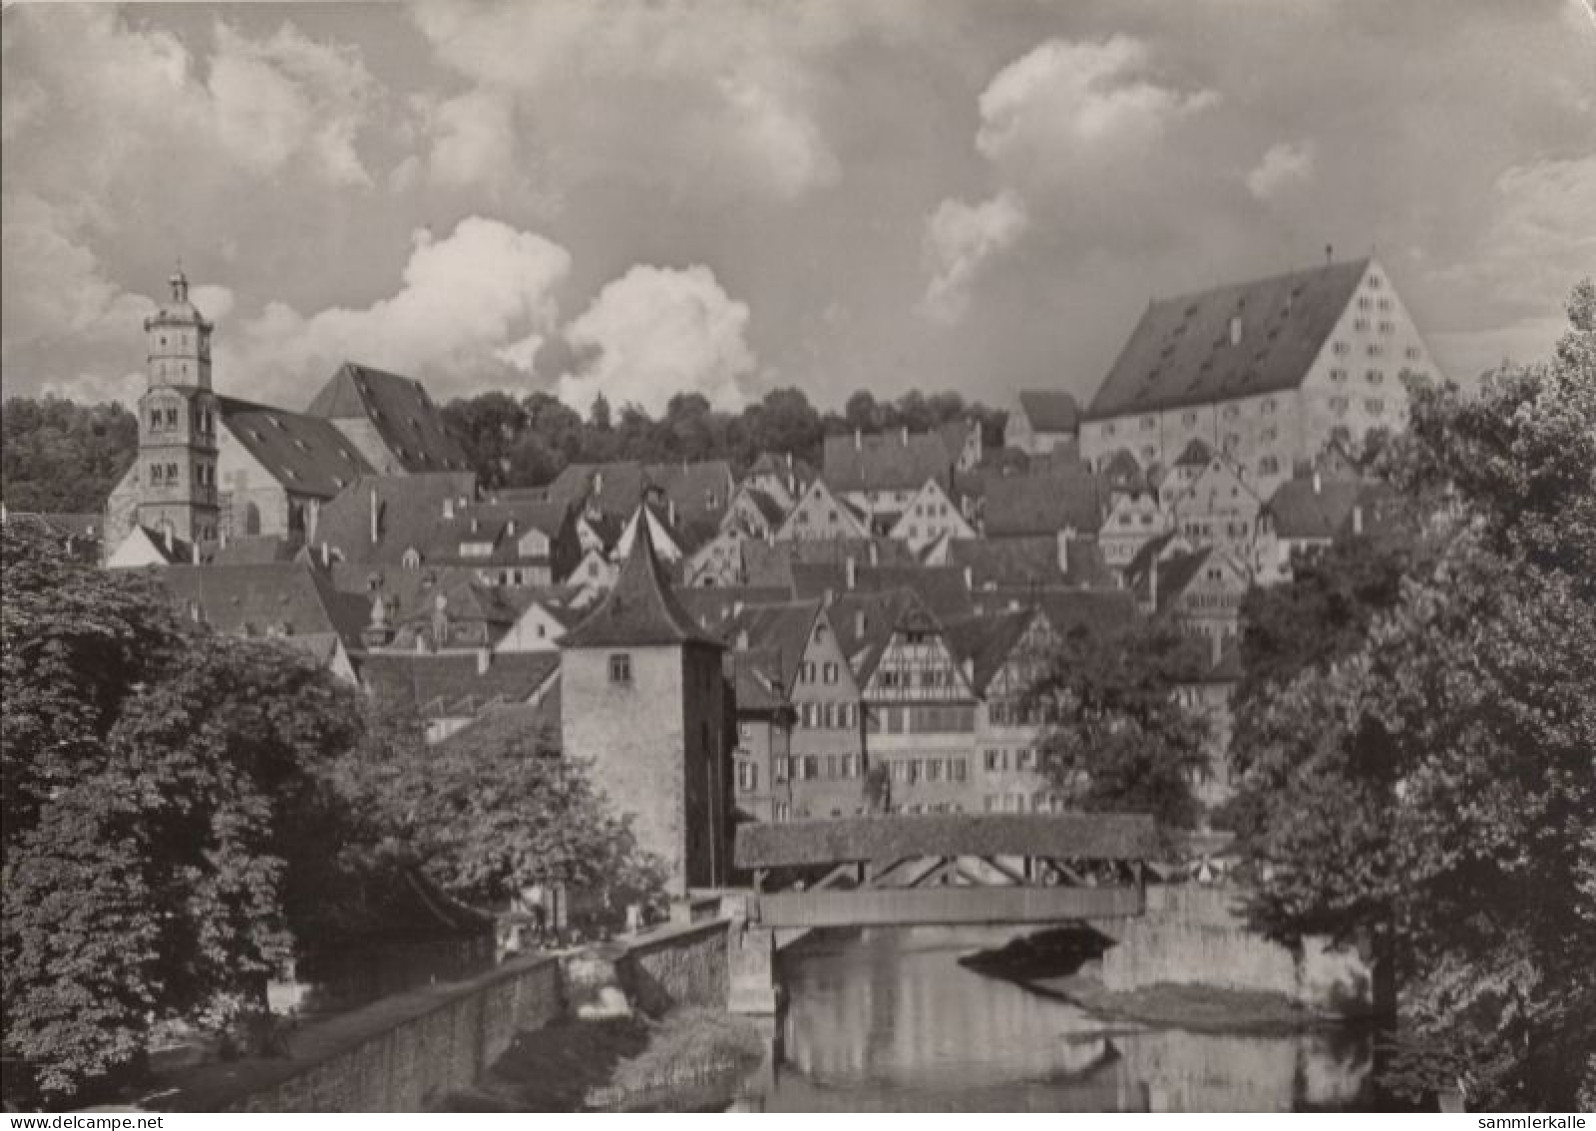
[
  {"x": 941, "y": 588},
  {"x": 1065, "y": 609},
  {"x": 1313, "y": 507},
  {"x": 409, "y": 423},
  {"x": 640, "y": 610},
  {"x": 1018, "y": 505},
  {"x": 782, "y": 629},
  {"x": 1194, "y": 454},
  {"x": 409, "y": 509},
  {"x": 1050, "y": 411},
  {"x": 305, "y": 453},
  {"x": 987, "y": 642},
  {"x": 1031, "y": 560},
  {"x": 716, "y": 609},
  {"x": 450, "y": 684},
  {"x": 280, "y": 597},
  {"x": 889, "y": 462},
  {"x": 1181, "y": 352}
]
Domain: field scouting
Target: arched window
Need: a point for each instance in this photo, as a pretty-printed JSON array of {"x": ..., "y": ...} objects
[{"x": 411, "y": 559}]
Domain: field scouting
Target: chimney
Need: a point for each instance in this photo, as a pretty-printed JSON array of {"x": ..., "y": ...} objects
[
  {"x": 1357, "y": 520},
  {"x": 851, "y": 572},
  {"x": 326, "y": 557},
  {"x": 1318, "y": 482},
  {"x": 742, "y": 640},
  {"x": 670, "y": 510},
  {"x": 1152, "y": 583},
  {"x": 859, "y": 623},
  {"x": 1218, "y": 647},
  {"x": 484, "y": 658},
  {"x": 474, "y": 526},
  {"x": 858, "y": 440},
  {"x": 598, "y": 482},
  {"x": 509, "y": 528},
  {"x": 789, "y": 462},
  {"x": 374, "y": 530},
  {"x": 1064, "y": 552},
  {"x": 1235, "y": 329},
  {"x": 314, "y": 519},
  {"x": 169, "y": 550},
  {"x": 421, "y": 644},
  {"x": 906, "y": 435},
  {"x": 448, "y": 507},
  {"x": 193, "y": 548},
  {"x": 223, "y": 537},
  {"x": 1329, "y": 254},
  {"x": 875, "y": 553},
  {"x": 969, "y": 579},
  {"x": 737, "y": 608}
]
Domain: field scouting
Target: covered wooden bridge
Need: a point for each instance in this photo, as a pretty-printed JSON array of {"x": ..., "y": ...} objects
[{"x": 946, "y": 869}]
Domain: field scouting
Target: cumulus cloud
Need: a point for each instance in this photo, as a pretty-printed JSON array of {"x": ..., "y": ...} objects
[
  {"x": 1283, "y": 165},
  {"x": 473, "y": 310},
  {"x": 960, "y": 238},
  {"x": 658, "y": 331},
  {"x": 1539, "y": 243},
  {"x": 1065, "y": 104},
  {"x": 715, "y": 98}
]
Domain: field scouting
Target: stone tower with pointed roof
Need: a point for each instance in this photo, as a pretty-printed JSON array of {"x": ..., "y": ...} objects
[
  {"x": 178, "y": 421},
  {"x": 643, "y": 702}
]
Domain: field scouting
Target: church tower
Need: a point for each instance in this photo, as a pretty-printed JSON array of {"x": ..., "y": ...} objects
[{"x": 177, "y": 423}]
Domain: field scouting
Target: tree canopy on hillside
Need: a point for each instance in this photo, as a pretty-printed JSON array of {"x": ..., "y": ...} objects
[
  {"x": 528, "y": 442},
  {"x": 62, "y": 457}
]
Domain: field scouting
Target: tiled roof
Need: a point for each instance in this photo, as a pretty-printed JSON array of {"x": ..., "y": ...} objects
[
  {"x": 716, "y": 609},
  {"x": 757, "y": 675},
  {"x": 490, "y": 523},
  {"x": 1304, "y": 508},
  {"x": 698, "y": 491},
  {"x": 281, "y": 597},
  {"x": 782, "y": 629},
  {"x": 1018, "y": 505},
  {"x": 254, "y": 549},
  {"x": 1195, "y": 454},
  {"x": 769, "y": 509},
  {"x": 449, "y": 684},
  {"x": 640, "y": 610},
  {"x": 940, "y": 587},
  {"x": 1050, "y": 411},
  {"x": 865, "y": 623},
  {"x": 1032, "y": 560},
  {"x": 887, "y": 462},
  {"x": 61, "y": 525},
  {"x": 1065, "y": 609},
  {"x": 1181, "y": 353},
  {"x": 409, "y": 509},
  {"x": 987, "y": 641},
  {"x": 405, "y": 417},
  {"x": 305, "y": 453}
]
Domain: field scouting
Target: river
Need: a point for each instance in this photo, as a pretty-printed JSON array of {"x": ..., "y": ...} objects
[{"x": 889, "y": 1021}]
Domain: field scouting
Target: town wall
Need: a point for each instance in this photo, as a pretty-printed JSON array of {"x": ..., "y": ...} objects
[{"x": 406, "y": 1052}]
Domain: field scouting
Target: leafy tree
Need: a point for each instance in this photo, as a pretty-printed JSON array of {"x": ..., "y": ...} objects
[
  {"x": 1434, "y": 787},
  {"x": 155, "y": 783},
  {"x": 1117, "y": 737},
  {"x": 495, "y": 809},
  {"x": 58, "y": 456}
]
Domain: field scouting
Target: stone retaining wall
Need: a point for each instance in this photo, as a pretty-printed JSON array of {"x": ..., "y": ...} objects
[
  {"x": 405, "y": 1051},
  {"x": 394, "y": 1055},
  {"x": 1193, "y": 935},
  {"x": 678, "y": 964}
]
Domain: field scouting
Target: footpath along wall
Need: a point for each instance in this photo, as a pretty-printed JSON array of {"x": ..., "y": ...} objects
[{"x": 404, "y": 1052}]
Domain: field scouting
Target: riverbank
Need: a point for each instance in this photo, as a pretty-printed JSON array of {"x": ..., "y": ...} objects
[
  {"x": 687, "y": 1059},
  {"x": 1060, "y": 963}
]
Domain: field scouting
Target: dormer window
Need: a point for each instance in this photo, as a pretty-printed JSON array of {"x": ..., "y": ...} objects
[{"x": 411, "y": 559}]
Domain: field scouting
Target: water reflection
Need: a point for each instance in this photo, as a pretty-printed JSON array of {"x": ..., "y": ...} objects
[{"x": 888, "y": 1020}]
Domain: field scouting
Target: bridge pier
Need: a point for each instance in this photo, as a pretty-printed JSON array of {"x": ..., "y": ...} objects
[{"x": 754, "y": 989}]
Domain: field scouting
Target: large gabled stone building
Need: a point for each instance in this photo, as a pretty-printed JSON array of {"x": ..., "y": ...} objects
[{"x": 1265, "y": 372}]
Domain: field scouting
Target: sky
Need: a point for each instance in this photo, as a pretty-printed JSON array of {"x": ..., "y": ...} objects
[{"x": 646, "y": 198}]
